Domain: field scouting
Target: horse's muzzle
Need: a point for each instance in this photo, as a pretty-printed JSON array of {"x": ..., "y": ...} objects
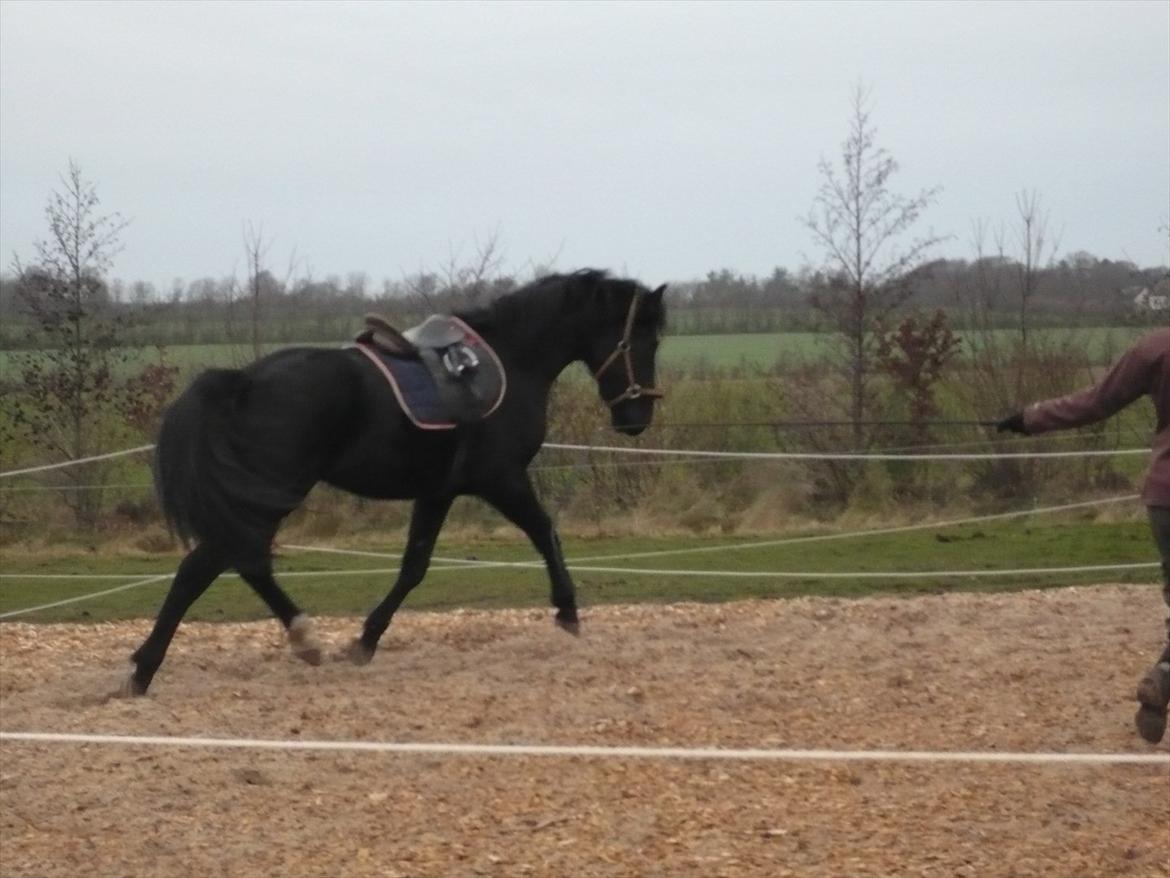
[
  {"x": 630, "y": 429},
  {"x": 632, "y": 417}
]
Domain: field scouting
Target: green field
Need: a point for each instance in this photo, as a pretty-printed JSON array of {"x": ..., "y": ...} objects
[
  {"x": 764, "y": 349},
  {"x": 1001, "y": 545},
  {"x": 684, "y": 352}
]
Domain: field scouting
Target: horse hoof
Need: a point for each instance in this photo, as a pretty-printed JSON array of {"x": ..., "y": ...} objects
[
  {"x": 572, "y": 626},
  {"x": 303, "y": 640},
  {"x": 1154, "y": 688},
  {"x": 309, "y": 655},
  {"x": 131, "y": 688},
  {"x": 1153, "y": 693},
  {"x": 358, "y": 653},
  {"x": 1151, "y": 723}
]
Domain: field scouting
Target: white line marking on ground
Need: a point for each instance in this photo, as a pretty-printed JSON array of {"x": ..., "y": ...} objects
[
  {"x": 682, "y": 452},
  {"x": 779, "y": 574},
  {"x": 283, "y": 575},
  {"x": 639, "y": 571},
  {"x": 83, "y": 597},
  {"x": 78, "y": 461},
  {"x": 161, "y": 576},
  {"x": 576, "y": 563},
  {"x": 842, "y": 455},
  {"x": 758, "y": 544},
  {"x": 603, "y": 752},
  {"x": 827, "y": 574}
]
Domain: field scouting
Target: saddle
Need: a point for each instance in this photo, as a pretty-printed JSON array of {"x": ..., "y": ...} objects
[
  {"x": 442, "y": 373},
  {"x": 436, "y": 332}
]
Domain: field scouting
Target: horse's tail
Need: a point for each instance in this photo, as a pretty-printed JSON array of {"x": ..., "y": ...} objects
[{"x": 207, "y": 487}]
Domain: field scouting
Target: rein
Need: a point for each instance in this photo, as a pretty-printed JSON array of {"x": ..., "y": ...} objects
[{"x": 633, "y": 390}]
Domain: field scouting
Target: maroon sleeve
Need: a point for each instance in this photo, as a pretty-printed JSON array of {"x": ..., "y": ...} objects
[{"x": 1130, "y": 378}]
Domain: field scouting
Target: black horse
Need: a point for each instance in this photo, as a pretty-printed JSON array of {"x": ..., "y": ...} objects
[{"x": 241, "y": 448}]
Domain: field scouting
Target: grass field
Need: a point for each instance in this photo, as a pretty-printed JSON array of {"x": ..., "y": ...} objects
[
  {"x": 1075, "y": 542},
  {"x": 764, "y": 349},
  {"x": 685, "y": 352}
]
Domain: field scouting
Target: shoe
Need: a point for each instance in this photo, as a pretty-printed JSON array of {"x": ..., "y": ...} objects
[{"x": 1153, "y": 693}]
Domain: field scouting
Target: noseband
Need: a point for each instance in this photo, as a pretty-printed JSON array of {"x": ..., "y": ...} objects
[{"x": 633, "y": 388}]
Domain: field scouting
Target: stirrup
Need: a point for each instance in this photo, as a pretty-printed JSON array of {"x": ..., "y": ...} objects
[{"x": 460, "y": 361}]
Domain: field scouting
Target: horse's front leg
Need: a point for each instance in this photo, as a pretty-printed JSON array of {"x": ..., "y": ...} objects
[
  {"x": 517, "y": 501},
  {"x": 425, "y": 521}
]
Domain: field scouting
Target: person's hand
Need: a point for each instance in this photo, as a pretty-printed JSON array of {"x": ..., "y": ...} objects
[{"x": 1012, "y": 424}]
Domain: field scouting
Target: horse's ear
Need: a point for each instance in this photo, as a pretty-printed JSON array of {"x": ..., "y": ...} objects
[{"x": 657, "y": 294}]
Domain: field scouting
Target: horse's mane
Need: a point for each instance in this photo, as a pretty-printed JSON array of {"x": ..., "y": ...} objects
[{"x": 588, "y": 298}]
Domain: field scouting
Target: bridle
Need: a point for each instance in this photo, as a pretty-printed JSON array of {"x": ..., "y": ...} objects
[{"x": 633, "y": 390}]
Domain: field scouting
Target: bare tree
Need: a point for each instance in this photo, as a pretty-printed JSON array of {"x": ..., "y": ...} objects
[
  {"x": 1009, "y": 362},
  {"x": 861, "y": 227},
  {"x": 255, "y": 252},
  {"x": 1035, "y": 250},
  {"x": 471, "y": 280},
  {"x": 77, "y": 372},
  {"x": 1006, "y": 282},
  {"x": 261, "y": 284},
  {"x": 460, "y": 283}
]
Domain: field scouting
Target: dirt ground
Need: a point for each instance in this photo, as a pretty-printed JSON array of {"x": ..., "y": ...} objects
[{"x": 1033, "y": 671}]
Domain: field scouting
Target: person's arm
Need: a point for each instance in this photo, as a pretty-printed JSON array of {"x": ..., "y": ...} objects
[{"x": 1130, "y": 378}]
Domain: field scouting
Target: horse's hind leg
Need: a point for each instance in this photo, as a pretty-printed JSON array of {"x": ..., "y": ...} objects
[
  {"x": 196, "y": 572},
  {"x": 301, "y": 635}
]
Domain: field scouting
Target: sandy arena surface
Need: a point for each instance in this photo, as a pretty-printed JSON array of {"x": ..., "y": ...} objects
[{"x": 1034, "y": 671}]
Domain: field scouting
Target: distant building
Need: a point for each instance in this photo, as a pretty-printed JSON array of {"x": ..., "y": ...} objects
[{"x": 1155, "y": 299}]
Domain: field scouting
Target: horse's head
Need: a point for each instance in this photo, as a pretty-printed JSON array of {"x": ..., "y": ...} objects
[{"x": 621, "y": 354}]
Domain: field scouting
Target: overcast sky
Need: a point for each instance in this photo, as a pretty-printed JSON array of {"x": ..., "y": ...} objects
[{"x": 656, "y": 139}]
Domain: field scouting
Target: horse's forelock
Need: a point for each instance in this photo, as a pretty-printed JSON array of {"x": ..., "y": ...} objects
[{"x": 610, "y": 298}]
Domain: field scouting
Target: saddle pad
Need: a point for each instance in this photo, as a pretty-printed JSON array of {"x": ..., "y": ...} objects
[{"x": 432, "y": 399}]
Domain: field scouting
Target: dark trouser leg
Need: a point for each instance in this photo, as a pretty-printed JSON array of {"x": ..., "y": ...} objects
[
  {"x": 1160, "y": 527},
  {"x": 1154, "y": 689}
]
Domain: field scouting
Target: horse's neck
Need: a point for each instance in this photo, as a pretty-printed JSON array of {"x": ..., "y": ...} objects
[{"x": 545, "y": 351}]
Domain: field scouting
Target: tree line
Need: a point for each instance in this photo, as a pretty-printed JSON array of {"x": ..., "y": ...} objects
[{"x": 1080, "y": 289}]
